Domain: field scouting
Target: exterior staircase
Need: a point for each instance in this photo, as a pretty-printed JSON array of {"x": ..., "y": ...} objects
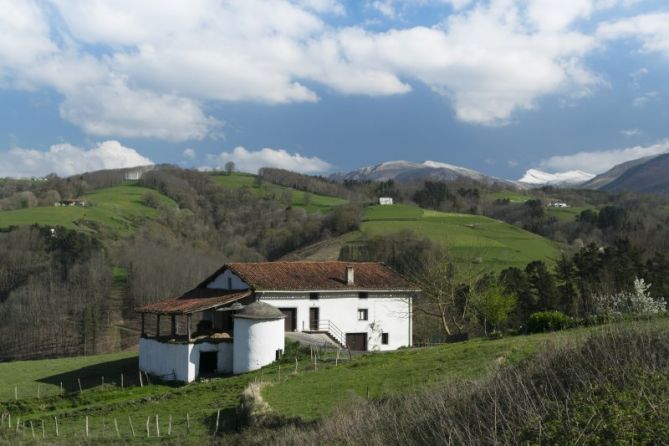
[{"x": 328, "y": 328}]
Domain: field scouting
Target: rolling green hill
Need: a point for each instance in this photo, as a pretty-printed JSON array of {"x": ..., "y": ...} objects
[
  {"x": 469, "y": 239},
  {"x": 308, "y": 201},
  {"x": 119, "y": 209}
]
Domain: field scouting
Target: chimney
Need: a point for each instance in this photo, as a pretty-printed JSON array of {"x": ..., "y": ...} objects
[{"x": 349, "y": 275}]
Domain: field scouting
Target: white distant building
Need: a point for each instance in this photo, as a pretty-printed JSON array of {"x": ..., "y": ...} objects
[
  {"x": 245, "y": 308},
  {"x": 385, "y": 200},
  {"x": 558, "y": 204}
]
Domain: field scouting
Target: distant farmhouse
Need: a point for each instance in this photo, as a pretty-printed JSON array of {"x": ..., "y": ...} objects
[
  {"x": 558, "y": 204},
  {"x": 385, "y": 200},
  {"x": 71, "y": 202},
  {"x": 245, "y": 308}
]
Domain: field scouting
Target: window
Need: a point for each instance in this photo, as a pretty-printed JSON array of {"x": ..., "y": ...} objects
[
  {"x": 229, "y": 283},
  {"x": 384, "y": 338},
  {"x": 362, "y": 314},
  {"x": 363, "y": 295},
  {"x": 313, "y": 296}
]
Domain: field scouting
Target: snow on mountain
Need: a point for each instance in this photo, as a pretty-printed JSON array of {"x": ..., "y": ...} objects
[
  {"x": 535, "y": 177},
  {"x": 409, "y": 171}
]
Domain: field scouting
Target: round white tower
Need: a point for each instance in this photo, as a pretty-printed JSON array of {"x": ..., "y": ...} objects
[{"x": 258, "y": 337}]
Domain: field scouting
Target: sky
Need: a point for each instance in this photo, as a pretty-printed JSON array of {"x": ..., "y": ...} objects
[{"x": 322, "y": 86}]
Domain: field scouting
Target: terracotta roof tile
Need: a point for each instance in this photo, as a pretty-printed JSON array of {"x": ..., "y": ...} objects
[
  {"x": 199, "y": 299},
  {"x": 315, "y": 276}
]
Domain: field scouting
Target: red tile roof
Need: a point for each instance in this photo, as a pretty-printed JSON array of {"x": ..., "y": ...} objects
[
  {"x": 315, "y": 276},
  {"x": 196, "y": 300}
]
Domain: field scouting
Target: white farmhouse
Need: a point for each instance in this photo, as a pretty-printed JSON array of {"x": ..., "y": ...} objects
[
  {"x": 245, "y": 308},
  {"x": 385, "y": 201}
]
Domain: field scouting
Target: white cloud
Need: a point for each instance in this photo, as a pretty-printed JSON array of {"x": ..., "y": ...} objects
[
  {"x": 650, "y": 29},
  {"x": 189, "y": 153},
  {"x": 116, "y": 109},
  {"x": 250, "y": 161},
  {"x": 162, "y": 63},
  {"x": 630, "y": 132},
  {"x": 603, "y": 160},
  {"x": 642, "y": 99},
  {"x": 512, "y": 163},
  {"x": 67, "y": 159}
]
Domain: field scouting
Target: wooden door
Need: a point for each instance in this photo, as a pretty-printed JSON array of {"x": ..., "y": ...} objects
[
  {"x": 313, "y": 319},
  {"x": 290, "y": 322},
  {"x": 356, "y": 341}
]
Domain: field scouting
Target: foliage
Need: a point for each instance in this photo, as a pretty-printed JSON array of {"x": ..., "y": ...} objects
[
  {"x": 493, "y": 306},
  {"x": 544, "y": 321},
  {"x": 639, "y": 301}
]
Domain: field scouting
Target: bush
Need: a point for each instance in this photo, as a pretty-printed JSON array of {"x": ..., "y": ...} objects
[{"x": 548, "y": 321}]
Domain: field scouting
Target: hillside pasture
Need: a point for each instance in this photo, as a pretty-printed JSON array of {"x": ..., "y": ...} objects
[
  {"x": 468, "y": 239},
  {"x": 119, "y": 209},
  {"x": 310, "y": 202}
]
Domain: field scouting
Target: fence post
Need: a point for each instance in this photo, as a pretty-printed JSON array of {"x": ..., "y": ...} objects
[
  {"x": 157, "y": 427},
  {"x": 80, "y": 389},
  {"x": 187, "y": 422},
  {"x": 132, "y": 428},
  {"x": 218, "y": 416},
  {"x": 118, "y": 433},
  {"x": 16, "y": 392},
  {"x": 87, "y": 425},
  {"x": 55, "y": 420},
  {"x": 148, "y": 420}
]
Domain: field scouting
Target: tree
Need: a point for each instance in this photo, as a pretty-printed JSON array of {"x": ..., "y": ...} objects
[
  {"x": 493, "y": 305},
  {"x": 229, "y": 167}
]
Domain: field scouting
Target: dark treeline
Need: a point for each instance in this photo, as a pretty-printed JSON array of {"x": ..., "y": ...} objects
[
  {"x": 589, "y": 286},
  {"x": 313, "y": 184},
  {"x": 54, "y": 290}
]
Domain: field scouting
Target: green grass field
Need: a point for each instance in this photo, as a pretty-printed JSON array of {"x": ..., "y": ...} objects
[
  {"x": 566, "y": 214},
  {"x": 467, "y": 238},
  {"x": 308, "y": 394},
  {"x": 118, "y": 208},
  {"x": 310, "y": 202}
]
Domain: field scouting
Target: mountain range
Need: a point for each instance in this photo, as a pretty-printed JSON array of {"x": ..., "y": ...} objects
[
  {"x": 647, "y": 175},
  {"x": 405, "y": 171}
]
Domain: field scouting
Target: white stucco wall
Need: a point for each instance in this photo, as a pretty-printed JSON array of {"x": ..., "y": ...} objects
[
  {"x": 389, "y": 313},
  {"x": 168, "y": 361},
  {"x": 255, "y": 343},
  {"x": 221, "y": 282},
  {"x": 179, "y": 361}
]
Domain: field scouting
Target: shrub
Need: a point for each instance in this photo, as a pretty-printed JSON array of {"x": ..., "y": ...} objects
[{"x": 548, "y": 321}]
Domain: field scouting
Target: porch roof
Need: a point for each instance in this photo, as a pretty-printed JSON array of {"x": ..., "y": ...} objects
[{"x": 194, "y": 301}]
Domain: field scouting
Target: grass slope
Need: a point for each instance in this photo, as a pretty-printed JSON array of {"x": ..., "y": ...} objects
[
  {"x": 118, "y": 208},
  {"x": 307, "y": 394},
  {"x": 314, "y": 202},
  {"x": 467, "y": 238}
]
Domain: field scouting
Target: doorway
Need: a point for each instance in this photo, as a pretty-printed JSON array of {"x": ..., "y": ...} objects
[
  {"x": 313, "y": 319},
  {"x": 208, "y": 363},
  {"x": 356, "y": 341},
  {"x": 290, "y": 322}
]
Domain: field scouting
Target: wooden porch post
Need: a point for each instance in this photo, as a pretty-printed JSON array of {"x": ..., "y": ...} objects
[
  {"x": 143, "y": 331},
  {"x": 174, "y": 325},
  {"x": 157, "y": 325},
  {"x": 188, "y": 324}
]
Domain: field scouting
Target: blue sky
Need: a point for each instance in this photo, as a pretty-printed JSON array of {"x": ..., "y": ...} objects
[{"x": 318, "y": 86}]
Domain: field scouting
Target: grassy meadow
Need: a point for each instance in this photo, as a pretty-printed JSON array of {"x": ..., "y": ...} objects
[
  {"x": 118, "y": 209},
  {"x": 308, "y": 394},
  {"x": 469, "y": 239},
  {"x": 310, "y": 202}
]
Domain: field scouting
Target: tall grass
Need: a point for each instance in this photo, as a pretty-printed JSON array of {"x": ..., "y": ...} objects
[{"x": 612, "y": 387}]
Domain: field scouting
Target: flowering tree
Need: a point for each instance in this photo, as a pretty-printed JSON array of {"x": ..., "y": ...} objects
[{"x": 638, "y": 301}]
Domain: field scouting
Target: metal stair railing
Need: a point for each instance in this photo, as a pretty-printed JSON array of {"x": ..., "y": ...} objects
[{"x": 334, "y": 331}]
